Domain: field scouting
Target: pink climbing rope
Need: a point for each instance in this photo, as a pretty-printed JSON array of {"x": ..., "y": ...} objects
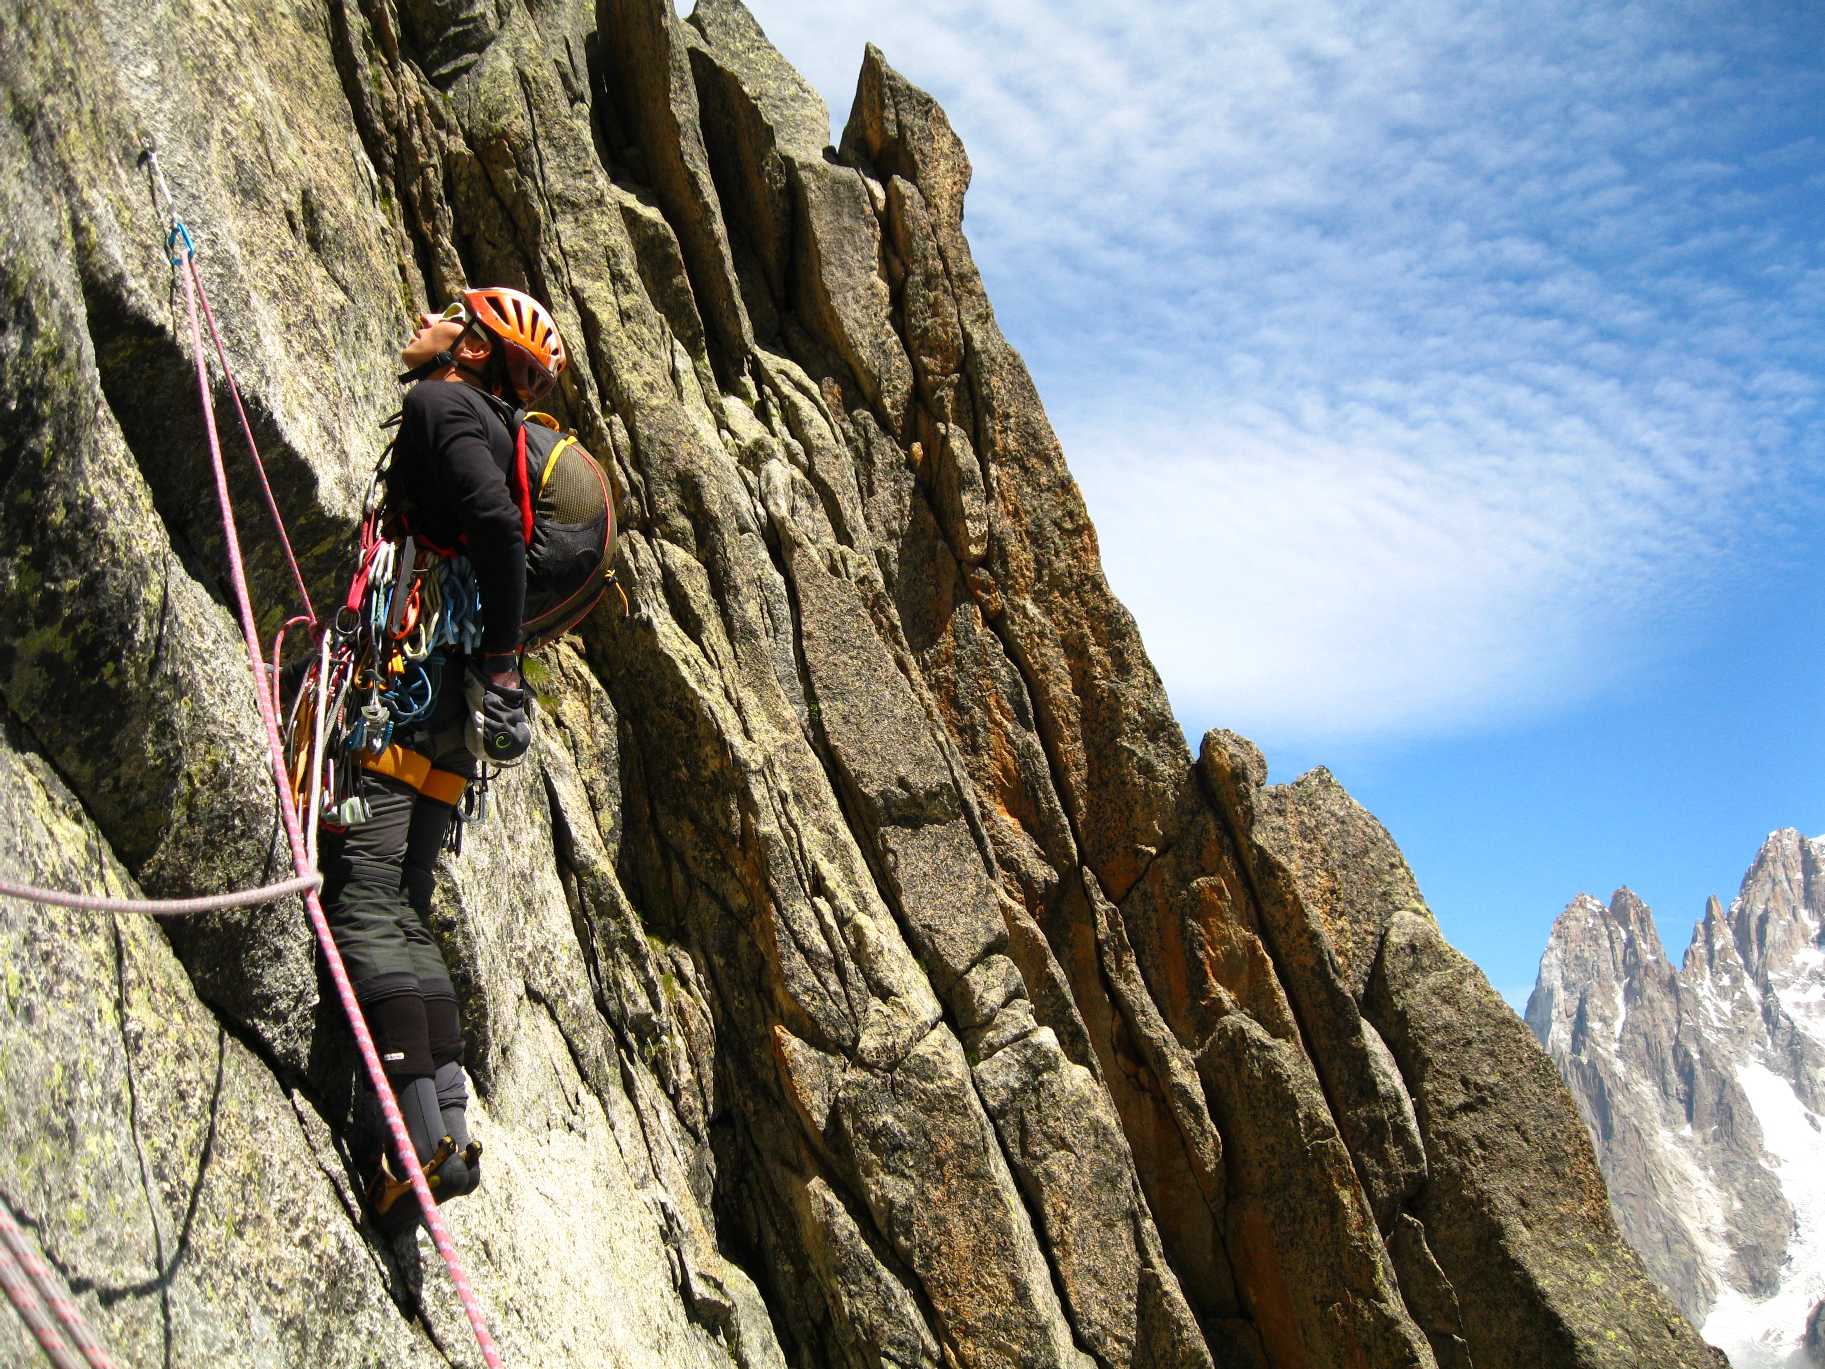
[
  {"x": 30, "y": 1307},
  {"x": 18, "y": 1250},
  {"x": 250, "y": 633},
  {"x": 159, "y": 907},
  {"x": 278, "y": 648}
]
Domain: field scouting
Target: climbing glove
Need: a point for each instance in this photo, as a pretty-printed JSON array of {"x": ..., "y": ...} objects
[{"x": 498, "y": 731}]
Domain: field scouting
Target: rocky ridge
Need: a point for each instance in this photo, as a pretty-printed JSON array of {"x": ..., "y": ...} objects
[
  {"x": 862, "y": 972},
  {"x": 1702, "y": 1089}
]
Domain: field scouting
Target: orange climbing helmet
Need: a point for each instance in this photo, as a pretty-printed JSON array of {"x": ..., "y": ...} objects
[{"x": 532, "y": 351}]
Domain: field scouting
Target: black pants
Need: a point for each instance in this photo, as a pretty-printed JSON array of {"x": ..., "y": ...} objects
[{"x": 378, "y": 878}]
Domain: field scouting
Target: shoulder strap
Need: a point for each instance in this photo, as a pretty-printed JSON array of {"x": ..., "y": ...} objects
[
  {"x": 568, "y": 440},
  {"x": 522, "y": 485},
  {"x": 518, "y": 484}
]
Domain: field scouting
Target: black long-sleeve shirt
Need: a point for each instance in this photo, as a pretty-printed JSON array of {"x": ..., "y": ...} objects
[{"x": 451, "y": 473}]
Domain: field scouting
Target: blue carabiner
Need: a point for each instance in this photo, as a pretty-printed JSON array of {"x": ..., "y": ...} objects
[
  {"x": 179, "y": 231},
  {"x": 412, "y": 695}
]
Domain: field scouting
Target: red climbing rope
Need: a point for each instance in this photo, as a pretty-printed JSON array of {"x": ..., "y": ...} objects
[
  {"x": 250, "y": 633},
  {"x": 18, "y": 1262},
  {"x": 159, "y": 907},
  {"x": 253, "y": 448}
]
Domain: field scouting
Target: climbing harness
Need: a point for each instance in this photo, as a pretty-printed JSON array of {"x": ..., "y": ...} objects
[
  {"x": 411, "y": 605},
  {"x": 380, "y": 670}
]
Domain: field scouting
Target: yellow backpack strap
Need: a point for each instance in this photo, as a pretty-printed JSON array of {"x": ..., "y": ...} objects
[{"x": 551, "y": 461}]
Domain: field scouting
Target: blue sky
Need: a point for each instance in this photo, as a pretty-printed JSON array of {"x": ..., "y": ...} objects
[{"x": 1445, "y": 382}]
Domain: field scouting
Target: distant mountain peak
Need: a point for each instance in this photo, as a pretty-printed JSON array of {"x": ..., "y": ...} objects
[{"x": 1703, "y": 1090}]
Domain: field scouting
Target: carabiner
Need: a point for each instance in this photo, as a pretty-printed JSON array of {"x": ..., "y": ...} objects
[{"x": 179, "y": 231}]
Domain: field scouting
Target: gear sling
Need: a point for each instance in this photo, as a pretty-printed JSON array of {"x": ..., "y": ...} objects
[{"x": 410, "y": 597}]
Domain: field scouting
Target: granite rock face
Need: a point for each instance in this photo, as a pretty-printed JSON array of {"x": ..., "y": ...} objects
[
  {"x": 1701, "y": 1088},
  {"x": 861, "y": 971}
]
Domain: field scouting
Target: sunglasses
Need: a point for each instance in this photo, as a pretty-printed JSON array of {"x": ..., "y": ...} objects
[{"x": 455, "y": 313}]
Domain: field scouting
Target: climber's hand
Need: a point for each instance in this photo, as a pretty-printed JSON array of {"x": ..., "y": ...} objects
[{"x": 498, "y": 731}]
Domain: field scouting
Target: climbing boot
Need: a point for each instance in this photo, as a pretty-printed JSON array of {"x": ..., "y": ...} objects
[
  {"x": 418, "y": 1109},
  {"x": 449, "y": 1173},
  {"x": 453, "y": 1106},
  {"x": 390, "y": 1195},
  {"x": 459, "y": 1175}
]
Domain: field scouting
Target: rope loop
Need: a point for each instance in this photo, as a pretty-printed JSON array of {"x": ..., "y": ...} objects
[{"x": 161, "y": 907}]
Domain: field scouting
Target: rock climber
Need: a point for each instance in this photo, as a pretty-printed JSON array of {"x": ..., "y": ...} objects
[{"x": 448, "y": 486}]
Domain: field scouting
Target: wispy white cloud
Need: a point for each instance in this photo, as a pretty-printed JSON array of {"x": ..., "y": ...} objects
[{"x": 1424, "y": 364}]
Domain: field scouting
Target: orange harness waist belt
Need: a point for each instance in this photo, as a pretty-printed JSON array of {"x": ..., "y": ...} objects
[{"x": 413, "y": 768}]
